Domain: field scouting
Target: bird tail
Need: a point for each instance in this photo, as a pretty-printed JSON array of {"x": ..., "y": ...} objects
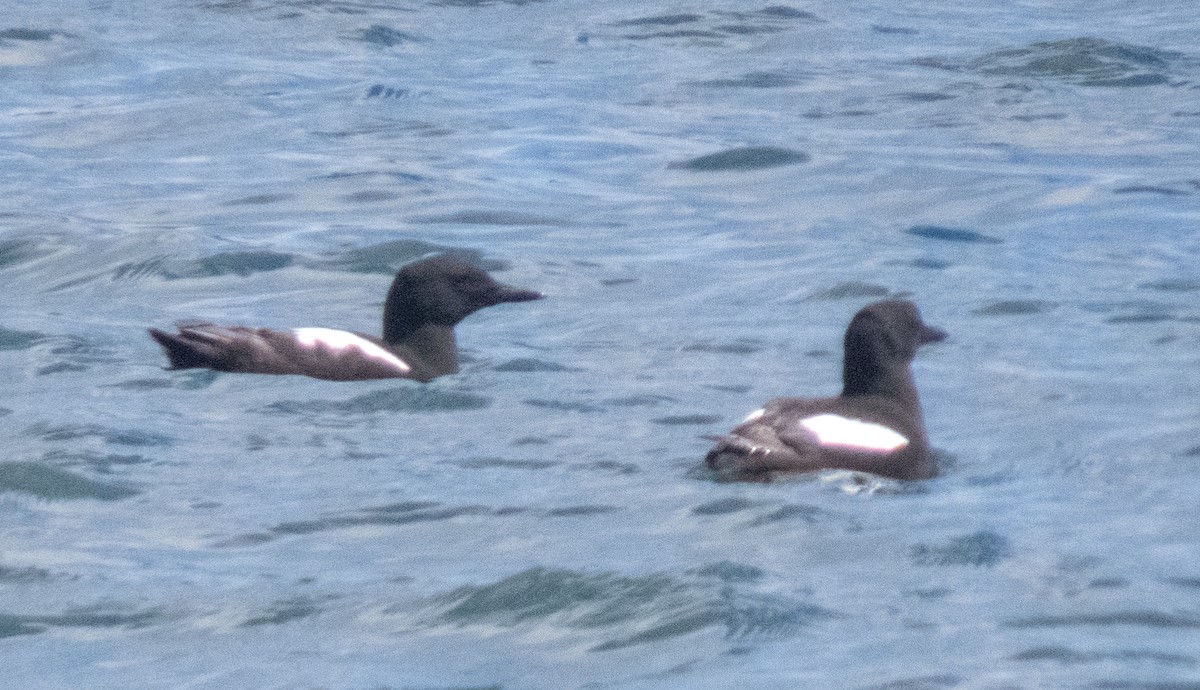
[
  {"x": 190, "y": 348},
  {"x": 728, "y": 452}
]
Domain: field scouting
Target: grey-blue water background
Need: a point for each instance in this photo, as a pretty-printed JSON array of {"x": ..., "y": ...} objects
[{"x": 706, "y": 191}]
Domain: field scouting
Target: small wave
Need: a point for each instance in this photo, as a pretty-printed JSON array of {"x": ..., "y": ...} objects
[
  {"x": 805, "y": 513},
  {"x": 503, "y": 463},
  {"x": 398, "y": 514},
  {"x": 240, "y": 264},
  {"x": 715, "y": 25},
  {"x": 163, "y": 266},
  {"x": 788, "y": 12},
  {"x": 407, "y": 399},
  {"x": 982, "y": 548},
  {"x": 729, "y": 571},
  {"x": 11, "y": 626},
  {"x": 291, "y": 9},
  {"x": 50, "y": 483},
  {"x": 1085, "y": 61},
  {"x": 1173, "y": 285},
  {"x": 930, "y": 264},
  {"x": 1141, "y": 318},
  {"x": 661, "y": 20},
  {"x": 654, "y": 607},
  {"x": 677, "y": 33},
  {"x": 20, "y": 340},
  {"x": 370, "y": 196},
  {"x": 377, "y": 516},
  {"x": 581, "y": 511},
  {"x": 527, "y": 365},
  {"x": 481, "y": 3},
  {"x": 23, "y": 34},
  {"x": 1133, "y": 312},
  {"x": 492, "y": 217},
  {"x": 72, "y": 354},
  {"x": 387, "y": 257},
  {"x": 723, "y": 506},
  {"x": 284, "y": 611},
  {"x": 102, "y": 463},
  {"x": 386, "y": 36},
  {"x": 260, "y": 200},
  {"x": 743, "y": 159},
  {"x": 610, "y": 466},
  {"x": 752, "y": 80},
  {"x": 383, "y": 91},
  {"x": 119, "y": 437},
  {"x": 1071, "y": 656},
  {"x": 1137, "y": 618},
  {"x": 922, "y": 96},
  {"x": 22, "y": 575},
  {"x": 23, "y": 250},
  {"x": 945, "y": 234},
  {"x": 698, "y": 419},
  {"x": 1015, "y": 307},
  {"x": 97, "y": 617},
  {"x": 931, "y": 682},
  {"x": 563, "y": 405},
  {"x": 640, "y": 400},
  {"x": 740, "y": 346},
  {"x": 1160, "y": 190},
  {"x": 852, "y": 290}
]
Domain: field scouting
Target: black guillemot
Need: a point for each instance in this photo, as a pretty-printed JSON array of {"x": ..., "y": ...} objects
[
  {"x": 426, "y": 300},
  {"x": 874, "y": 426}
]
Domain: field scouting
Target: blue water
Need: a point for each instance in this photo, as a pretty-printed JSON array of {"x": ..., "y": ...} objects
[{"x": 706, "y": 192}]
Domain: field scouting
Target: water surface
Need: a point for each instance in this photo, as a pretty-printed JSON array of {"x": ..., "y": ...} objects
[{"x": 706, "y": 192}]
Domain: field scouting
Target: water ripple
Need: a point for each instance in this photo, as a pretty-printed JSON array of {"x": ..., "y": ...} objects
[
  {"x": 982, "y": 548},
  {"x": 50, "y": 483},
  {"x": 1086, "y": 61},
  {"x": 403, "y": 514},
  {"x": 284, "y": 611},
  {"x": 19, "y": 340},
  {"x": 1145, "y": 619},
  {"x": 406, "y": 399},
  {"x": 937, "y": 232},
  {"x": 385, "y": 36},
  {"x": 743, "y": 159},
  {"x": 1067, "y": 655},
  {"x": 658, "y": 606},
  {"x": 119, "y": 437},
  {"x": 1015, "y": 307},
  {"x": 716, "y": 25},
  {"x": 92, "y": 617}
]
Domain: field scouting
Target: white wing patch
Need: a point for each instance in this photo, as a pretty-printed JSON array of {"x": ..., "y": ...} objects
[
  {"x": 835, "y": 430},
  {"x": 342, "y": 340},
  {"x": 754, "y": 415}
]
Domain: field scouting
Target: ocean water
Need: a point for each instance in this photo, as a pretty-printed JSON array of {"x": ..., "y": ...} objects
[{"x": 706, "y": 192}]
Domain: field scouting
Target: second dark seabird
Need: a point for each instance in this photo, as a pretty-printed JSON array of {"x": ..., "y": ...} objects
[
  {"x": 875, "y": 425},
  {"x": 426, "y": 300}
]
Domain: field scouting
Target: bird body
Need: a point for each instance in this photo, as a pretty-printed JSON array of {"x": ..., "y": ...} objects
[
  {"x": 426, "y": 300},
  {"x": 875, "y": 425}
]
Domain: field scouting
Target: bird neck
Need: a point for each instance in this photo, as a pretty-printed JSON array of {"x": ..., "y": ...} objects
[
  {"x": 875, "y": 379},
  {"x": 432, "y": 345}
]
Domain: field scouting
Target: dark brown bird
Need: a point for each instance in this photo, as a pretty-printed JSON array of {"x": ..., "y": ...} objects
[
  {"x": 875, "y": 425},
  {"x": 426, "y": 300}
]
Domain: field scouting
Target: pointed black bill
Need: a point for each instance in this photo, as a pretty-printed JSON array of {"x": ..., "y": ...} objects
[
  {"x": 506, "y": 293},
  {"x": 931, "y": 334}
]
